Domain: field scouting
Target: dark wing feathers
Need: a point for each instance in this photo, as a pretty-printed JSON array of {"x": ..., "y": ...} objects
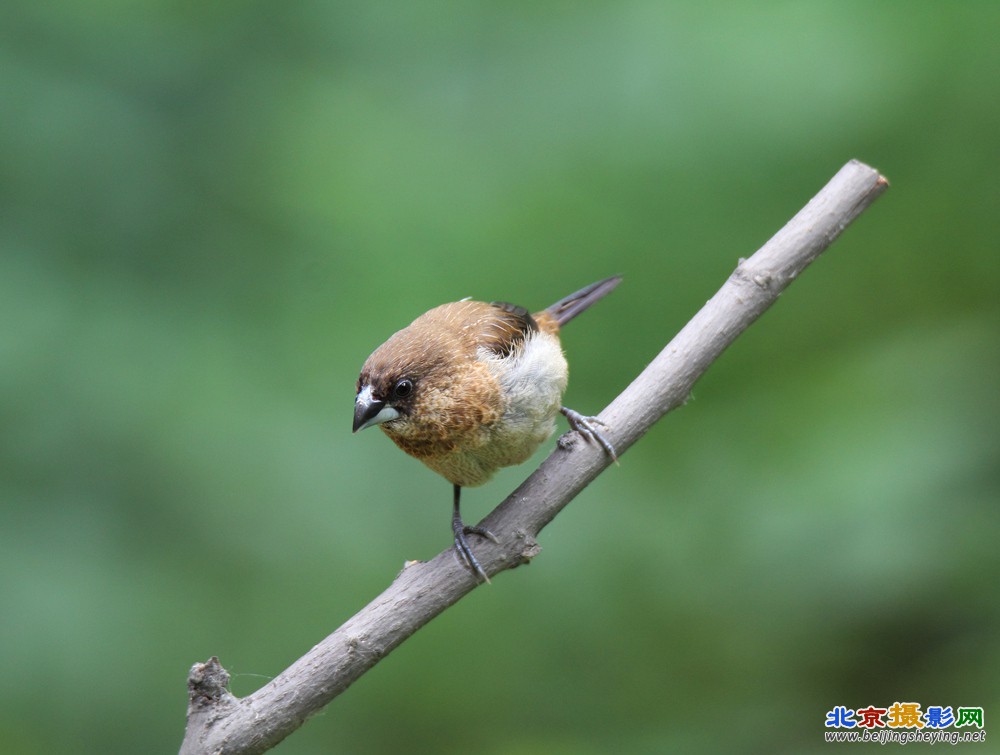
[{"x": 507, "y": 327}]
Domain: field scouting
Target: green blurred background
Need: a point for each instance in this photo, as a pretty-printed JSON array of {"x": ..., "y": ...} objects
[{"x": 211, "y": 213}]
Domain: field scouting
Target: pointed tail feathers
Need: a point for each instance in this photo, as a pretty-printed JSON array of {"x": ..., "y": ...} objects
[{"x": 566, "y": 309}]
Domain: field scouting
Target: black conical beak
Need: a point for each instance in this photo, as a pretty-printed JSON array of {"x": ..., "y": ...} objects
[{"x": 369, "y": 410}]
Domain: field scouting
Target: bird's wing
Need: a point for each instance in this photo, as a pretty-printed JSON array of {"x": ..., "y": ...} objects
[{"x": 505, "y": 328}]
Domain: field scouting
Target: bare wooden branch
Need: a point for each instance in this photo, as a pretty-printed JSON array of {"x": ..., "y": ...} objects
[{"x": 221, "y": 723}]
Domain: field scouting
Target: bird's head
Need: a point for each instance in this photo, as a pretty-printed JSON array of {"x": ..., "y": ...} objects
[
  {"x": 382, "y": 398},
  {"x": 400, "y": 380},
  {"x": 428, "y": 386}
]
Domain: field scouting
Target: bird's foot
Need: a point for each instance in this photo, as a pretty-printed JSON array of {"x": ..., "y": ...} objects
[
  {"x": 587, "y": 427},
  {"x": 462, "y": 546}
]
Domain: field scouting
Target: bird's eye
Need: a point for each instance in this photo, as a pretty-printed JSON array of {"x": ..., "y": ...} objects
[{"x": 403, "y": 388}]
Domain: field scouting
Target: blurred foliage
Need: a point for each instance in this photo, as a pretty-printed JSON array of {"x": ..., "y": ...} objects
[{"x": 212, "y": 212}]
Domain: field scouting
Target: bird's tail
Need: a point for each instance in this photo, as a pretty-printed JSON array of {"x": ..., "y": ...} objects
[{"x": 566, "y": 309}]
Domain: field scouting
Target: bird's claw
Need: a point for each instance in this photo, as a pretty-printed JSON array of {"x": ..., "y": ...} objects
[
  {"x": 464, "y": 551},
  {"x": 587, "y": 427}
]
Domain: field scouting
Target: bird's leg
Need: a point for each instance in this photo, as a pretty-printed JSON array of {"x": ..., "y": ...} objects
[
  {"x": 587, "y": 427},
  {"x": 461, "y": 529}
]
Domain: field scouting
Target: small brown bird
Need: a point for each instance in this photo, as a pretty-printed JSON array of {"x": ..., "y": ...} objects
[{"x": 471, "y": 387}]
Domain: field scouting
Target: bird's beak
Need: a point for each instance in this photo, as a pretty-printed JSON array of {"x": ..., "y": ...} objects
[{"x": 369, "y": 411}]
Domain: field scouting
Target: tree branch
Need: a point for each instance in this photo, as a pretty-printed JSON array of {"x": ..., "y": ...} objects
[{"x": 218, "y": 722}]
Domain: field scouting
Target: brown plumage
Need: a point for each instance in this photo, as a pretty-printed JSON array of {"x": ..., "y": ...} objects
[{"x": 471, "y": 387}]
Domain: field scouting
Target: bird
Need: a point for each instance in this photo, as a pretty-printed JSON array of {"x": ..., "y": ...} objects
[{"x": 470, "y": 387}]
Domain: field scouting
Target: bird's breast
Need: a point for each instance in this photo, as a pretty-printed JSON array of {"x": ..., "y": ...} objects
[
  {"x": 491, "y": 414},
  {"x": 532, "y": 381}
]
